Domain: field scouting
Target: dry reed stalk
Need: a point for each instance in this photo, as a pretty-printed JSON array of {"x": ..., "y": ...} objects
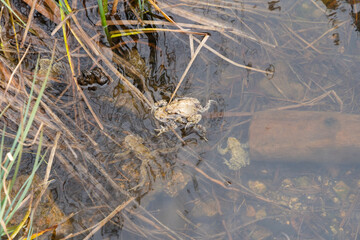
[
  {"x": 62, "y": 23},
  {"x": 313, "y": 101},
  {"x": 326, "y": 32},
  {"x": 41, "y": 9},
  {"x": 163, "y": 23},
  {"x": 114, "y": 7},
  {"x": 135, "y": 12},
  {"x": 207, "y": 21},
  {"x": 4, "y": 70},
  {"x": 202, "y": 43},
  {"x": 28, "y": 24},
  {"x": 224, "y": 26},
  {"x": 135, "y": 228},
  {"x": 231, "y": 61},
  {"x": 15, "y": 70},
  {"x": 108, "y": 218},
  {"x": 303, "y": 40},
  {"x": 71, "y": 138},
  {"x": 80, "y": 33},
  {"x": 54, "y": 124}
]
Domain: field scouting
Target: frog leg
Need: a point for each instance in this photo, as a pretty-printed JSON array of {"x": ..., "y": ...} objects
[
  {"x": 122, "y": 154},
  {"x": 162, "y": 130},
  {"x": 245, "y": 145},
  {"x": 161, "y": 103},
  {"x": 143, "y": 176},
  {"x": 166, "y": 128},
  {"x": 193, "y": 120},
  {"x": 204, "y": 109},
  {"x": 221, "y": 150},
  {"x": 201, "y": 131},
  {"x": 180, "y": 119},
  {"x": 227, "y": 163}
]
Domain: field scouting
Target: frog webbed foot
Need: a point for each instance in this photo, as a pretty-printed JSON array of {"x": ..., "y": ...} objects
[
  {"x": 193, "y": 120},
  {"x": 144, "y": 175},
  {"x": 122, "y": 154},
  {"x": 160, "y": 103},
  {"x": 208, "y": 105},
  {"x": 228, "y": 163},
  {"x": 245, "y": 145},
  {"x": 165, "y": 129},
  {"x": 189, "y": 124},
  {"x": 201, "y": 130},
  {"x": 162, "y": 130}
]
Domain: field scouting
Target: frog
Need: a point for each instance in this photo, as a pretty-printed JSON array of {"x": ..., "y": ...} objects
[
  {"x": 238, "y": 151},
  {"x": 135, "y": 144},
  {"x": 150, "y": 168},
  {"x": 56, "y": 71},
  {"x": 181, "y": 111}
]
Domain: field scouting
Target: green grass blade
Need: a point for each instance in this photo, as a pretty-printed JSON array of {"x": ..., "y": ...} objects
[
  {"x": 103, "y": 19},
  {"x": 12, "y": 11}
]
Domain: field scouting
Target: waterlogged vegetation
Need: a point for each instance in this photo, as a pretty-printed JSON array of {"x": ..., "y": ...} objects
[{"x": 179, "y": 119}]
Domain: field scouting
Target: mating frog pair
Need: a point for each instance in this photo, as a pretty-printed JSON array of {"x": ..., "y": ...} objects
[
  {"x": 149, "y": 164},
  {"x": 181, "y": 111}
]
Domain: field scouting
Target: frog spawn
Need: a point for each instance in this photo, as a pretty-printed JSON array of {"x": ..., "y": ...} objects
[{"x": 181, "y": 111}]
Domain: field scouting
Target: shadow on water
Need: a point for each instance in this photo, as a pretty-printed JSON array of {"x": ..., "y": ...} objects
[{"x": 221, "y": 184}]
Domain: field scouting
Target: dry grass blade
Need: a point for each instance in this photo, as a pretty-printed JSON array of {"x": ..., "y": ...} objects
[
  {"x": 51, "y": 158},
  {"x": 164, "y": 14},
  {"x": 16, "y": 68},
  {"x": 164, "y": 23},
  {"x": 3, "y": 225},
  {"x": 134, "y": 11},
  {"x": 62, "y": 23},
  {"x": 4, "y": 70},
  {"x": 181, "y": 25},
  {"x": 28, "y": 24},
  {"x": 314, "y": 101},
  {"x": 303, "y": 40},
  {"x": 108, "y": 218},
  {"x": 206, "y": 21},
  {"x": 22, "y": 224},
  {"x": 73, "y": 73},
  {"x": 202, "y": 43},
  {"x": 41, "y": 9},
  {"x": 114, "y": 6},
  {"x": 326, "y": 32},
  {"x": 231, "y": 61},
  {"x": 79, "y": 32},
  {"x": 213, "y": 24},
  {"x": 128, "y": 32}
]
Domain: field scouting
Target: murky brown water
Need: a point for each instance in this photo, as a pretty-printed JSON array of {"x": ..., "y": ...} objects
[{"x": 205, "y": 189}]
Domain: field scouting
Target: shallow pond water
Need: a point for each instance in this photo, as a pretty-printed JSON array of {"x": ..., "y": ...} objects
[
  {"x": 187, "y": 186},
  {"x": 312, "y": 51}
]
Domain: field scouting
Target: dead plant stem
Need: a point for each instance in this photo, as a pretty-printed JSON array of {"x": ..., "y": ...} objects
[{"x": 202, "y": 43}]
